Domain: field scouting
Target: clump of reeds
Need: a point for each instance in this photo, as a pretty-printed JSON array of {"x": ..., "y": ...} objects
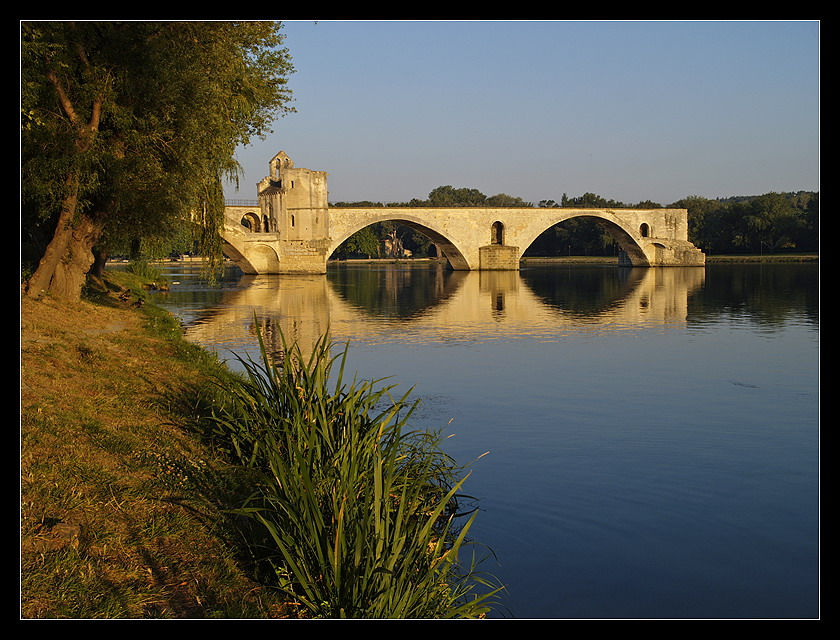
[{"x": 363, "y": 514}]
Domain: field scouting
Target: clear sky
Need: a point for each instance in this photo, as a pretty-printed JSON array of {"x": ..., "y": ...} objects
[{"x": 628, "y": 110}]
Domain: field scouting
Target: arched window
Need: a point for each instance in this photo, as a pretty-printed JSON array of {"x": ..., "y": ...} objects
[
  {"x": 497, "y": 233},
  {"x": 644, "y": 230}
]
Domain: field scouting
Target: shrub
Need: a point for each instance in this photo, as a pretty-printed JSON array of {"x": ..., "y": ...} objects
[{"x": 363, "y": 515}]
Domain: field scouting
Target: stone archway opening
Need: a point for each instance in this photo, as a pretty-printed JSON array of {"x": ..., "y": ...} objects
[
  {"x": 587, "y": 235},
  {"x": 251, "y": 221},
  {"x": 644, "y": 230},
  {"x": 497, "y": 233},
  {"x": 388, "y": 239},
  {"x": 399, "y": 238}
]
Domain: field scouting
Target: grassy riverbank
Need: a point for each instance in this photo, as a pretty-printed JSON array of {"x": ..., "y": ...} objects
[
  {"x": 311, "y": 501},
  {"x": 121, "y": 509}
]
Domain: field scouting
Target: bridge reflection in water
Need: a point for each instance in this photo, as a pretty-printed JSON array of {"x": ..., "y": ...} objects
[{"x": 427, "y": 305}]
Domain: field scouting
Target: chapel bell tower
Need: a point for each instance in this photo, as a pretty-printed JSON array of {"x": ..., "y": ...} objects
[{"x": 294, "y": 201}]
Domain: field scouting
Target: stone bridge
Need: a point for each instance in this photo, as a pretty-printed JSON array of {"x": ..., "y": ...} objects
[{"x": 293, "y": 229}]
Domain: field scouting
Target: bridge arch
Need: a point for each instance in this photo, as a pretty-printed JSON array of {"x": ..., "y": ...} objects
[
  {"x": 260, "y": 258},
  {"x": 450, "y": 249},
  {"x": 625, "y": 238}
]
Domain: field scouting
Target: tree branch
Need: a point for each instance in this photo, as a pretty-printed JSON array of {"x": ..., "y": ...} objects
[
  {"x": 87, "y": 131},
  {"x": 63, "y": 98}
]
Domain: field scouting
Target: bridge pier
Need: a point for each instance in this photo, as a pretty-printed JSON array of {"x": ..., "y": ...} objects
[{"x": 498, "y": 257}]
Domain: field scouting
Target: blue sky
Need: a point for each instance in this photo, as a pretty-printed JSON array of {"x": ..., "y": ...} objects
[{"x": 629, "y": 110}]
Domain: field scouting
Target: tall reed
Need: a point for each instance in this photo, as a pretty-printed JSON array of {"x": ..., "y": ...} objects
[{"x": 364, "y": 515}]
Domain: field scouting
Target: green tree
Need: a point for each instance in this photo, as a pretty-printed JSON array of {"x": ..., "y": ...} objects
[
  {"x": 363, "y": 242},
  {"x": 129, "y": 130},
  {"x": 648, "y": 204},
  {"x": 590, "y": 201},
  {"x": 809, "y": 233},
  {"x": 448, "y": 196},
  {"x": 504, "y": 200},
  {"x": 775, "y": 221},
  {"x": 700, "y": 212}
]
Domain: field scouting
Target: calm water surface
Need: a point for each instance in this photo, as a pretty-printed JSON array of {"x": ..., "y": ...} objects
[{"x": 653, "y": 433}]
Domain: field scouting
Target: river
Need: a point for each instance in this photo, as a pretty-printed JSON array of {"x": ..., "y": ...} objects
[{"x": 653, "y": 434}]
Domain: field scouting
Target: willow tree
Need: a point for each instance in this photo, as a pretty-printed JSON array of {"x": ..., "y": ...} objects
[{"x": 129, "y": 130}]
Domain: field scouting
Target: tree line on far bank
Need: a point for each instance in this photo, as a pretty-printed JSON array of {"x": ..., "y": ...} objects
[{"x": 768, "y": 223}]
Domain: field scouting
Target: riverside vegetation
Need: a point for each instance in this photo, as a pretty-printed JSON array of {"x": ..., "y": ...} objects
[{"x": 156, "y": 483}]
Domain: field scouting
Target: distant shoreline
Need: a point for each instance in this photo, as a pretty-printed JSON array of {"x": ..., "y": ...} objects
[{"x": 775, "y": 257}]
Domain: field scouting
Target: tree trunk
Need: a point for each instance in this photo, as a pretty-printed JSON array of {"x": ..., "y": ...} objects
[
  {"x": 40, "y": 280},
  {"x": 97, "y": 269},
  {"x": 68, "y": 257},
  {"x": 71, "y": 272},
  {"x": 100, "y": 258}
]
